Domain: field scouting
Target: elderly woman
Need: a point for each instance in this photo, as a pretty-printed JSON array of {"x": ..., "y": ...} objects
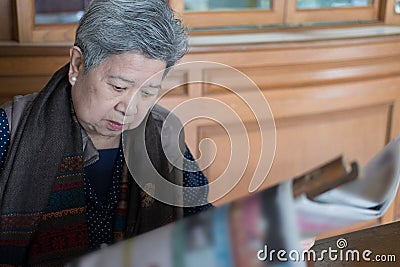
[{"x": 64, "y": 186}]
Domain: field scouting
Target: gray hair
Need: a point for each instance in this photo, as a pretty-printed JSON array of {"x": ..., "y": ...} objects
[{"x": 112, "y": 27}]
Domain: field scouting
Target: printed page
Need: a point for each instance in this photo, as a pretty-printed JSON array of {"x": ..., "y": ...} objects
[{"x": 366, "y": 198}]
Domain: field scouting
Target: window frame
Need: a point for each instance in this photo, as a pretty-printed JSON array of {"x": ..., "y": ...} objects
[
  {"x": 28, "y": 31},
  {"x": 242, "y": 17},
  {"x": 281, "y": 12},
  {"x": 295, "y": 15}
]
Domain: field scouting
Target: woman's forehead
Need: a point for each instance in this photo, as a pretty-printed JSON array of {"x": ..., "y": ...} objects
[
  {"x": 131, "y": 68},
  {"x": 133, "y": 60}
]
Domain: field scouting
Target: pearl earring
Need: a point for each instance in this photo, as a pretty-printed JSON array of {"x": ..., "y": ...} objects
[{"x": 73, "y": 79}]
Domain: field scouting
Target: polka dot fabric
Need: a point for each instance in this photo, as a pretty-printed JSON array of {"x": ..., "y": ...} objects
[
  {"x": 193, "y": 177},
  {"x": 101, "y": 215},
  {"x": 4, "y": 136}
]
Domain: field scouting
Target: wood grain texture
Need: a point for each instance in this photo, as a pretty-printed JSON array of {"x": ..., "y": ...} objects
[
  {"x": 6, "y": 20},
  {"x": 381, "y": 240},
  {"x": 25, "y": 18},
  {"x": 391, "y": 17}
]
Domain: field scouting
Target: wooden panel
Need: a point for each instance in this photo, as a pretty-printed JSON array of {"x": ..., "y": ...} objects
[
  {"x": 352, "y": 118},
  {"x": 292, "y": 55},
  {"x": 6, "y": 20},
  {"x": 24, "y": 75},
  {"x": 54, "y": 33},
  {"x": 13, "y": 85},
  {"x": 390, "y": 16},
  {"x": 381, "y": 242},
  {"x": 223, "y": 158},
  {"x": 305, "y": 142},
  {"x": 316, "y": 99},
  {"x": 31, "y": 66},
  {"x": 11, "y": 49},
  {"x": 25, "y": 19},
  {"x": 307, "y": 74}
]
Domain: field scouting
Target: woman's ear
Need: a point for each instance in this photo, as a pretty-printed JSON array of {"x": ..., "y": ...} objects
[{"x": 75, "y": 64}]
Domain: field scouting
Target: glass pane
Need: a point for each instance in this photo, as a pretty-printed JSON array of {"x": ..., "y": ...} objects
[
  {"x": 218, "y": 5},
  {"x": 397, "y": 7},
  {"x": 317, "y": 4},
  {"x": 59, "y": 12}
]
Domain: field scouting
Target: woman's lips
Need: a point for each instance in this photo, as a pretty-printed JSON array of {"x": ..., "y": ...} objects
[{"x": 115, "y": 126}]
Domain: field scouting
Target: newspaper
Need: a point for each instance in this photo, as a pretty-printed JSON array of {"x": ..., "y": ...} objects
[
  {"x": 244, "y": 232},
  {"x": 240, "y": 234},
  {"x": 366, "y": 198}
]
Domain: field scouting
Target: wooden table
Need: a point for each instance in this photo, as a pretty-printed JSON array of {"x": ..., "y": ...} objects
[{"x": 376, "y": 243}]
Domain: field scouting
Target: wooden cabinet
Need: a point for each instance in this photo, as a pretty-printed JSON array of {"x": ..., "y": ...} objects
[{"x": 328, "y": 97}]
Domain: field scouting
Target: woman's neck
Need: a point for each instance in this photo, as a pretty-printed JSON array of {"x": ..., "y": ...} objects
[{"x": 105, "y": 142}]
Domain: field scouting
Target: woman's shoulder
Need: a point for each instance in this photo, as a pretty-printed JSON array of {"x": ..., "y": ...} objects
[
  {"x": 166, "y": 120},
  {"x": 160, "y": 113},
  {"x": 169, "y": 127},
  {"x": 14, "y": 108}
]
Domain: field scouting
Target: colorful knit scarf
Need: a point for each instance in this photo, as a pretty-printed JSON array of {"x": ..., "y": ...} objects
[{"x": 42, "y": 203}]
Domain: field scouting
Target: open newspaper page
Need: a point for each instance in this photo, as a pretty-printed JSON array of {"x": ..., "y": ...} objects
[
  {"x": 245, "y": 233},
  {"x": 367, "y": 197}
]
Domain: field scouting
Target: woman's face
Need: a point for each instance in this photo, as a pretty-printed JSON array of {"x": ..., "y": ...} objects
[{"x": 115, "y": 95}]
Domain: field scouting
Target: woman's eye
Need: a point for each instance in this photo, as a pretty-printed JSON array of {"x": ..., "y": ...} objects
[
  {"x": 146, "y": 93},
  {"x": 119, "y": 88}
]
